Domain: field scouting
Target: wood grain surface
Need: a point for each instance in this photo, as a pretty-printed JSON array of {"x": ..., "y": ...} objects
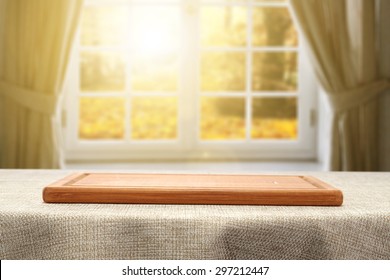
[{"x": 192, "y": 189}]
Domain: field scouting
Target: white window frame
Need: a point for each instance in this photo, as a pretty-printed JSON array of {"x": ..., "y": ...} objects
[{"x": 188, "y": 146}]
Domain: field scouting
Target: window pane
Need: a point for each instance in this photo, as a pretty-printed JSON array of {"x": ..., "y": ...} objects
[
  {"x": 241, "y": 1},
  {"x": 103, "y": 25},
  {"x": 155, "y": 74},
  {"x": 223, "y": 71},
  {"x": 101, "y": 118},
  {"x": 268, "y": 0},
  {"x": 274, "y": 118},
  {"x": 154, "y": 118},
  {"x": 222, "y": 118},
  {"x": 274, "y": 71},
  {"x": 101, "y": 71},
  {"x": 272, "y": 26},
  {"x": 155, "y": 48},
  {"x": 223, "y": 26}
]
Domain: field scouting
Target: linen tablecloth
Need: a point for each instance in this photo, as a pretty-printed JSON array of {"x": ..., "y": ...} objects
[{"x": 32, "y": 229}]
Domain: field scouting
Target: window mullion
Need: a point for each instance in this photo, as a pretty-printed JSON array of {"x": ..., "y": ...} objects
[
  {"x": 189, "y": 88},
  {"x": 73, "y": 108},
  {"x": 128, "y": 90},
  {"x": 248, "y": 111}
]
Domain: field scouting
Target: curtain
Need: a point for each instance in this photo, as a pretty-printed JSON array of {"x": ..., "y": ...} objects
[
  {"x": 384, "y": 122},
  {"x": 35, "y": 46},
  {"x": 341, "y": 38}
]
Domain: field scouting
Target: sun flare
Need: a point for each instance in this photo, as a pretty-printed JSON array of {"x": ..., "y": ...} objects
[{"x": 155, "y": 32}]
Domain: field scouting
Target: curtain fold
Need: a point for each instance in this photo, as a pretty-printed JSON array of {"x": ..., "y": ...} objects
[
  {"x": 35, "y": 47},
  {"x": 341, "y": 38}
]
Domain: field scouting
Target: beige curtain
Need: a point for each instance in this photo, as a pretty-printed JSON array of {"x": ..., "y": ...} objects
[
  {"x": 341, "y": 36},
  {"x": 384, "y": 120},
  {"x": 35, "y": 45}
]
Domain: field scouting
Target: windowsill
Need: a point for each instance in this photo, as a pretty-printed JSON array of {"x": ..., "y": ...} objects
[{"x": 222, "y": 167}]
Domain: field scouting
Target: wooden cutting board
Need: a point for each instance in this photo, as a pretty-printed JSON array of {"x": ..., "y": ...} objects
[{"x": 192, "y": 189}]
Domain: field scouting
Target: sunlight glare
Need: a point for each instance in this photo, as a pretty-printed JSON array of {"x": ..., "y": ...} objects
[{"x": 155, "y": 31}]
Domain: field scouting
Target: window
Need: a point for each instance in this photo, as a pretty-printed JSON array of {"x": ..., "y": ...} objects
[{"x": 189, "y": 79}]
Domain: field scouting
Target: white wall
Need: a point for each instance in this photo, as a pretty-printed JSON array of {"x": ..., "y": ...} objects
[{"x": 324, "y": 131}]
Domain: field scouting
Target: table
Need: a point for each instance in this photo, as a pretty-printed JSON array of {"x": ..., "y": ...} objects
[{"x": 32, "y": 229}]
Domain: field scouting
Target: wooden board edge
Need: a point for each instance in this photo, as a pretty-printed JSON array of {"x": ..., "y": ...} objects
[
  {"x": 47, "y": 191},
  {"x": 317, "y": 182},
  {"x": 168, "y": 196},
  {"x": 197, "y": 174},
  {"x": 67, "y": 179},
  {"x": 339, "y": 197}
]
